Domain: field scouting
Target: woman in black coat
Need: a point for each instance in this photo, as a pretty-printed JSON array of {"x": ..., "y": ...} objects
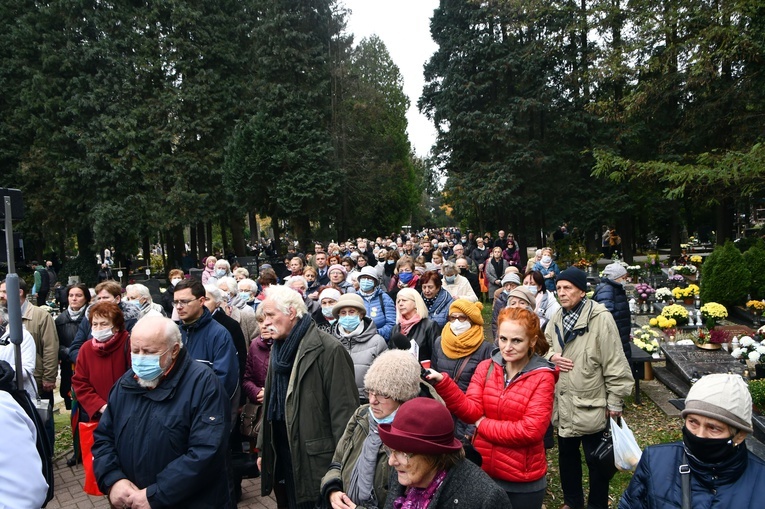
[{"x": 610, "y": 292}]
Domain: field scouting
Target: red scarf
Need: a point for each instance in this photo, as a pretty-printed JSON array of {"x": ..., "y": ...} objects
[{"x": 407, "y": 323}]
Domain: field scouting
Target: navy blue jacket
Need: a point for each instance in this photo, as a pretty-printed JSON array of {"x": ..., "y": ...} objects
[
  {"x": 439, "y": 311},
  {"x": 171, "y": 440},
  {"x": 613, "y": 296},
  {"x": 739, "y": 483},
  {"x": 208, "y": 341}
]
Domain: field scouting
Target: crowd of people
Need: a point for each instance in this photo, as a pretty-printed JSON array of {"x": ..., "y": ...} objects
[{"x": 375, "y": 382}]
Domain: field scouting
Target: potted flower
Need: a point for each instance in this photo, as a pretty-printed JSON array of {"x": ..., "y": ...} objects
[
  {"x": 664, "y": 323},
  {"x": 675, "y": 312},
  {"x": 643, "y": 291},
  {"x": 676, "y": 280},
  {"x": 712, "y": 312},
  {"x": 653, "y": 264},
  {"x": 757, "y": 390},
  {"x": 634, "y": 272},
  {"x": 647, "y": 340},
  {"x": 664, "y": 294},
  {"x": 749, "y": 351},
  {"x": 756, "y": 307},
  {"x": 686, "y": 294},
  {"x": 696, "y": 260}
]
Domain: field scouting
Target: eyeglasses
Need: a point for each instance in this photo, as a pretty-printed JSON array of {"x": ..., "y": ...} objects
[
  {"x": 379, "y": 396},
  {"x": 401, "y": 457},
  {"x": 184, "y": 303},
  {"x": 458, "y": 318}
]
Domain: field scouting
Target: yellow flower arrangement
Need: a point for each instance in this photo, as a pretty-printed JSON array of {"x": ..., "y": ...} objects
[
  {"x": 695, "y": 259},
  {"x": 663, "y": 322},
  {"x": 684, "y": 293},
  {"x": 675, "y": 312},
  {"x": 646, "y": 339},
  {"x": 713, "y": 313},
  {"x": 757, "y": 306}
]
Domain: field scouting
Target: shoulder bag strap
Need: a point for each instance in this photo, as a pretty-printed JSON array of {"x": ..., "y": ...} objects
[
  {"x": 460, "y": 369},
  {"x": 685, "y": 478}
]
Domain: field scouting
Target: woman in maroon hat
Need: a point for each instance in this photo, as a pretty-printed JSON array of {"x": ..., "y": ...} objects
[
  {"x": 510, "y": 400},
  {"x": 431, "y": 469}
]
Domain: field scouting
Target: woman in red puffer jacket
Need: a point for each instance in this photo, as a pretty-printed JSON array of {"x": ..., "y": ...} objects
[{"x": 510, "y": 400}]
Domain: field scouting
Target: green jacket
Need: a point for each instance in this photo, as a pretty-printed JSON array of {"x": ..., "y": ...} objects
[
  {"x": 321, "y": 398},
  {"x": 41, "y": 326},
  {"x": 601, "y": 377},
  {"x": 346, "y": 455}
]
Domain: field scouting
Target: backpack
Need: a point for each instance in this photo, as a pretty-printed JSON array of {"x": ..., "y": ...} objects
[{"x": 8, "y": 384}]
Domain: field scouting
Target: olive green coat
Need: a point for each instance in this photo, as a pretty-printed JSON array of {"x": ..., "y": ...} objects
[
  {"x": 601, "y": 377},
  {"x": 321, "y": 398}
]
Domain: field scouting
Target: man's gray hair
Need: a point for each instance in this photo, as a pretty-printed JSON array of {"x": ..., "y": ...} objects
[
  {"x": 142, "y": 291},
  {"x": 214, "y": 293},
  {"x": 248, "y": 282},
  {"x": 230, "y": 284},
  {"x": 285, "y": 298}
]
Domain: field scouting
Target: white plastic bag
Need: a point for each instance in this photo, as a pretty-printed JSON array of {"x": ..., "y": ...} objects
[{"x": 626, "y": 449}]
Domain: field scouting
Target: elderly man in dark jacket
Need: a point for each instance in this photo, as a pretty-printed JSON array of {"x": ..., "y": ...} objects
[
  {"x": 162, "y": 440},
  {"x": 310, "y": 395},
  {"x": 610, "y": 292}
]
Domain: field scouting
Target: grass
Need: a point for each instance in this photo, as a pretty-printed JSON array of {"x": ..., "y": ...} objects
[{"x": 63, "y": 444}]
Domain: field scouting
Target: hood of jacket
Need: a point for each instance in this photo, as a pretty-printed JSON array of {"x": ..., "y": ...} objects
[
  {"x": 369, "y": 332},
  {"x": 535, "y": 362}
]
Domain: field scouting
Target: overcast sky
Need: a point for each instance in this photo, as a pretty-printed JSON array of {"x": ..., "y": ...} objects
[{"x": 404, "y": 27}]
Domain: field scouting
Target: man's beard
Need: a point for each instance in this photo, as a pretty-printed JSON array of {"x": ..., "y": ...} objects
[{"x": 149, "y": 384}]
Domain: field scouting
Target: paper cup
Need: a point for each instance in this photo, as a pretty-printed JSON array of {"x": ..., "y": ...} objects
[{"x": 425, "y": 364}]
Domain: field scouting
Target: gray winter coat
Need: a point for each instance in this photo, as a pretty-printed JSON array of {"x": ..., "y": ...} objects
[{"x": 363, "y": 347}]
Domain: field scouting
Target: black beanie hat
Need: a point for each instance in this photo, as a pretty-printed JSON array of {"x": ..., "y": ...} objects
[{"x": 575, "y": 276}]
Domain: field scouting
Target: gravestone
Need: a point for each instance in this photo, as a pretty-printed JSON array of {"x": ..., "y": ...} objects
[
  {"x": 687, "y": 362},
  {"x": 250, "y": 263},
  {"x": 196, "y": 274}
]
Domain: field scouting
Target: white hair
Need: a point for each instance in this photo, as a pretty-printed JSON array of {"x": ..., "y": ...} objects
[
  {"x": 249, "y": 282},
  {"x": 141, "y": 290},
  {"x": 449, "y": 268},
  {"x": 214, "y": 293},
  {"x": 223, "y": 263},
  {"x": 285, "y": 298},
  {"x": 242, "y": 271},
  {"x": 300, "y": 279},
  {"x": 230, "y": 284}
]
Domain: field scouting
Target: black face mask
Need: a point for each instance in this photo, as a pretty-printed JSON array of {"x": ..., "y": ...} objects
[
  {"x": 708, "y": 450},
  {"x": 464, "y": 272}
]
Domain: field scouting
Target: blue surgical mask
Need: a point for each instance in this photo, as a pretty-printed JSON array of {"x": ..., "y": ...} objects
[
  {"x": 389, "y": 261},
  {"x": 147, "y": 367},
  {"x": 366, "y": 284},
  {"x": 450, "y": 279},
  {"x": 245, "y": 296},
  {"x": 384, "y": 420},
  {"x": 220, "y": 272},
  {"x": 532, "y": 289},
  {"x": 405, "y": 277},
  {"x": 135, "y": 302},
  {"x": 327, "y": 311},
  {"x": 349, "y": 322}
]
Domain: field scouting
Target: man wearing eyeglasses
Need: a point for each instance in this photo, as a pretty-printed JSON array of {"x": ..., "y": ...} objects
[{"x": 206, "y": 340}]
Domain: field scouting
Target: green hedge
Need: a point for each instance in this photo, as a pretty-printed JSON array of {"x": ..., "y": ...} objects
[
  {"x": 725, "y": 277},
  {"x": 87, "y": 269},
  {"x": 754, "y": 257}
]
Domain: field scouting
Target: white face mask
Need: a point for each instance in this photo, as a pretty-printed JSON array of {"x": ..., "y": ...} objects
[
  {"x": 175, "y": 281},
  {"x": 532, "y": 289},
  {"x": 458, "y": 327},
  {"x": 102, "y": 335}
]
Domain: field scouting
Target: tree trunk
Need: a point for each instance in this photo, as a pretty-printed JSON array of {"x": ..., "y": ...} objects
[
  {"x": 224, "y": 236},
  {"x": 724, "y": 221},
  {"x": 277, "y": 234},
  {"x": 674, "y": 251},
  {"x": 209, "y": 237},
  {"x": 237, "y": 235},
  {"x": 146, "y": 246},
  {"x": 203, "y": 251},
  {"x": 194, "y": 242}
]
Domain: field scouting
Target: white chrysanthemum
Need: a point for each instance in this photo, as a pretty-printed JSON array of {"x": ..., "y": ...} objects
[
  {"x": 754, "y": 356},
  {"x": 745, "y": 341},
  {"x": 761, "y": 349},
  {"x": 737, "y": 353}
]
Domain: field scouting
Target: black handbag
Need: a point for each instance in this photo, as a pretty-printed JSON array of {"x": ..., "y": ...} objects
[{"x": 604, "y": 452}]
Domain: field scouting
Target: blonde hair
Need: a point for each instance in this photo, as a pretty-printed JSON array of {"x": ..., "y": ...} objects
[{"x": 412, "y": 294}]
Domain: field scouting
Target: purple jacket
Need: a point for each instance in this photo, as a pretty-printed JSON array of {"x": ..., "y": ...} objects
[{"x": 256, "y": 369}]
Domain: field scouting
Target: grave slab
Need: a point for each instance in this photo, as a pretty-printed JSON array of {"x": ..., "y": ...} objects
[{"x": 688, "y": 362}]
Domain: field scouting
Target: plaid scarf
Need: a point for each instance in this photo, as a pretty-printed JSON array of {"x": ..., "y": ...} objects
[{"x": 571, "y": 317}]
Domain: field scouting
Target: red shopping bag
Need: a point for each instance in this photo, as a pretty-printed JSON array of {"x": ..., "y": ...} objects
[{"x": 86, "y": 442}]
